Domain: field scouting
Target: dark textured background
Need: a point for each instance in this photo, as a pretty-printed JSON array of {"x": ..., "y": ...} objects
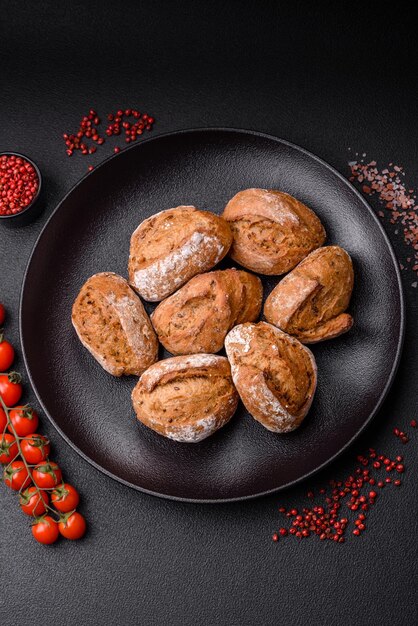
[{"x": 327, "y": 79}]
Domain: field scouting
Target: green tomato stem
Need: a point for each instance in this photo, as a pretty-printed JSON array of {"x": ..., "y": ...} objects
[{"x": 6, "y": 409}]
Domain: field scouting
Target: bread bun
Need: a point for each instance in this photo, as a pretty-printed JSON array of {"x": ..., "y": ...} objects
[
  {"x": 113, "y": 325},
  {"x": 171, "y": 247},
  {"x": 275, "y": 375},
  {"x": 198, "y": 316},
  {"x": 272, "y": 231},
  {"x": 186, "y": 398},
  {"x": 309, "y": 303}
]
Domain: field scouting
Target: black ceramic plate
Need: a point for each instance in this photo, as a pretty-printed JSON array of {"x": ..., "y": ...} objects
[{"x": 89, "y": 232}]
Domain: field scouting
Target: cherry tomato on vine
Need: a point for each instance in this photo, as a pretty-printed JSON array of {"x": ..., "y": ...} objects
[
  {"x": 8, "y": 448},
  {"x": 7, "y": 355},
  {"x": 3, "y": 420},
  {"x": 10, "y": 388},
  {"x": 16, "y": 476},
  {"x": 35, "y": 448},
  {"x": 25, "y": 420},
  {"x": 65, "y": 498},
  {"x": 2, "y": 314},
  {"x": 47, "y": 475},
  {"x": 45, "y": 530},
  {"x": 72, "y": 526},
  {"x": 33, "y": 502}
]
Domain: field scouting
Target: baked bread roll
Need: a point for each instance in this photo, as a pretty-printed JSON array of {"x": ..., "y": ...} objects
[
  {"x": 186, "y": 398},
  {"x": 275, "y": 375},
  {"x": 113, "y": 325},
  {"x": 272, "y": 231},
  {"x": 198, "y": 316},
  {"x": 171, "y": 247},
  {"x": 309, "y": 303}
]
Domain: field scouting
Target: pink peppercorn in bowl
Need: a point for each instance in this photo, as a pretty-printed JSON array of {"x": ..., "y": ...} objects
[{"x": 20, "y": 189}]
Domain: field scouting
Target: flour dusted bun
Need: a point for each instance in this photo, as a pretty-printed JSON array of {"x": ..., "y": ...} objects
[
  {"x": 198, "y": 316},
  {"x": 113, "y": 325},
  {"x": 309, "y": 303},
  {"x": 171, "y": 247},
  {"x": 275, "y": 375},
  {"x": 272, "y": 230},
  {"x": 186, "y": 398}
]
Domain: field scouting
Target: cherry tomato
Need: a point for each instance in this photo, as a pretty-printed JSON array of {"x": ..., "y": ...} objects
[
  {"x": 10, "y": 388},
  {"x": 2, "y": 314},
  {"x": 45, "y": 530},
  {"x": 65, "y": 498},
  {"x": 8, "y": 448},
  {"x": 72, "y": 527},
  {"x": 3, "y": 420},
  {"x": 35, "y": 448},
  {"x": 7, "y": 355},
  {"x": 47, "y": 475},
  {"x": 25, "y": 421},
  {"x": 16, "y": 476},
  {"x": 32, "y": 501}
]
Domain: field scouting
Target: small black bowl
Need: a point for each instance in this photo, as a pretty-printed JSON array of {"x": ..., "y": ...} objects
[{"x": 33, "y": 209}]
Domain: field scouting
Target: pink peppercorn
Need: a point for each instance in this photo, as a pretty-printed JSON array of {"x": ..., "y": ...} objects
[{"x": 19, "y": 184}]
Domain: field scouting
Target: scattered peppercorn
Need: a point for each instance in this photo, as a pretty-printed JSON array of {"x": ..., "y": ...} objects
[
  {"x": 325, "y": 521},
  {"x": 89, "y": 129},
  {"x": 400, "y": 433}
]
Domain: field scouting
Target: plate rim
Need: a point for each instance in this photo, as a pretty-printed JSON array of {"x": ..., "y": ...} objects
[{"x": 383, "y": 395}]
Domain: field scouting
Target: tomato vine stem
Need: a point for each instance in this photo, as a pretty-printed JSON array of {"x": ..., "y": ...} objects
[{"x": 28, "y": 467}]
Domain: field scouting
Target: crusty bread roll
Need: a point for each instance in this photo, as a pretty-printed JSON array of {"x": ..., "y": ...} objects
[
  {"x": 171, "y": 247},
  {"x": 198, "y": 316},
  {"x": 309, "y": 303},
  {"x": 186, "y": 398},
  {"x": 113, "y": 325},
  {"x": 272, "y": 230},
  {"x": 275, "y": 375}
]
